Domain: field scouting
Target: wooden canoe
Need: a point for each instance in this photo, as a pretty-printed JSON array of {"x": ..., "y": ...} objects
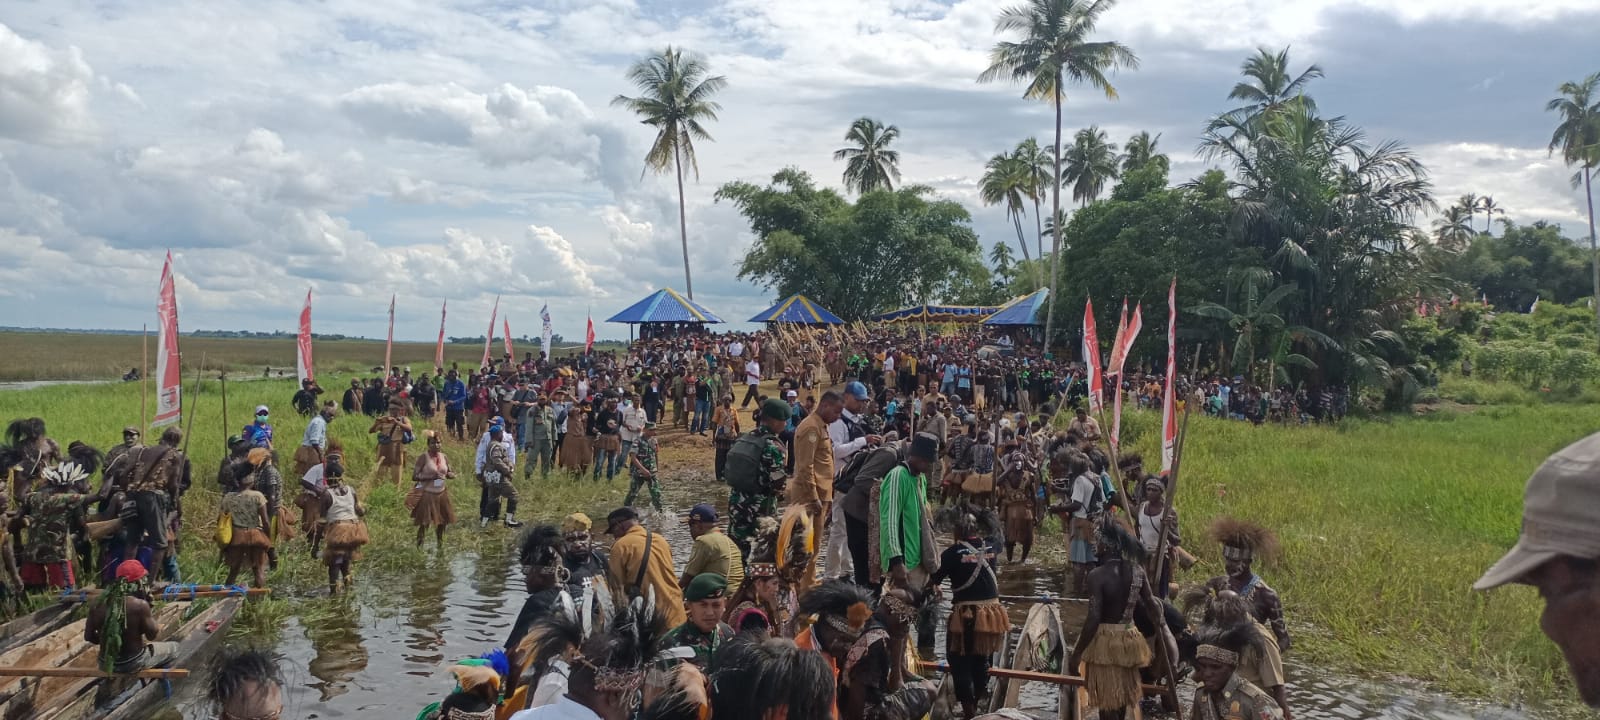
[
  {"x": 34, "y": 625},
  {"x": 78, "y": 698}
]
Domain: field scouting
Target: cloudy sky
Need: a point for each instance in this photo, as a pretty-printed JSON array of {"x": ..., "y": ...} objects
[{"x": 457, "y": 149}]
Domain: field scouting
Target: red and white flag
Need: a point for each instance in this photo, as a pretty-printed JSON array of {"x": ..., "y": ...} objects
[
  {"x": 388, "y": 345},
  {"x": 1169, "y": 418},
  {"x": 1129, "y": 334},
  {"x": 1091, "y": 356},
  {"x": 169, "y": 362},
  {"x": 438, "y": 350},
  {"x": 1114, "y": 364},
  {"x": 509, "y": 352},
  {"x": 493, "y": 315},
  {"x": 302, "y": 343},
  {"x": 588, "y": 337}
]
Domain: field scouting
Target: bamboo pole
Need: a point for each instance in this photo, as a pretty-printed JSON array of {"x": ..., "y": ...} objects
[
  {"x": 74, "y": 672},
  {"x": 178, "y": 595},
  {"x": 1031, "y": 676},
  {"x": 144, "y": 378},
  {"x": 193, "y": 402}
]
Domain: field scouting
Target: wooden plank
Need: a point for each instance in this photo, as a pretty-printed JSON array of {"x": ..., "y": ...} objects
[
  {"x": 1032, "y": 676},
  {"x": 199, "y": 641},
  {"x": 54, "y": 648},
  {"x": 46, "y": 696},
  {"x": 94, "y": 672},
  {"x": 33, "y": 626},
  {"x": 185, "y": 596}
]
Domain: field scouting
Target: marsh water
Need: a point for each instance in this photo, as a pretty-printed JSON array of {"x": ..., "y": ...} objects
[{"x": 381, "y": 651}]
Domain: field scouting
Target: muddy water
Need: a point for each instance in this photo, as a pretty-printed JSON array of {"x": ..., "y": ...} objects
[{"x": 381, "y": 652}]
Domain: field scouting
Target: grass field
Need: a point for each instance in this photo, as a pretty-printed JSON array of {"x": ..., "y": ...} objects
[{"x": 42, "y": 356}]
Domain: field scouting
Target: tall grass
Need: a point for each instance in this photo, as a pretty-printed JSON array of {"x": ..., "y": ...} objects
[
  {"x": 1385, "y": 525},
  {"x": 96, "y": 414}
]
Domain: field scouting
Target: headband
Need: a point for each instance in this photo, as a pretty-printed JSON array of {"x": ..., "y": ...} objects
[
  {"x": 1217, "y": 654},
  {"x": 1237, "y": 553}
]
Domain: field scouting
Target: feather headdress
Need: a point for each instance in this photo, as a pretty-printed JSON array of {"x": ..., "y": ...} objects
[
  {"x": 685, "y": 696},
  {"x": 1242, "y": 540},
  {"x": 845, "y": 607},
  {"x": 66, "y": 473}
]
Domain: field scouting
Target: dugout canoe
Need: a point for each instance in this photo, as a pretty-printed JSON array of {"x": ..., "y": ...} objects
[
  {"x": 198, "y": 638},
  {"x": 1040, "y": 647},
  {"x": 34, "y": 625}
]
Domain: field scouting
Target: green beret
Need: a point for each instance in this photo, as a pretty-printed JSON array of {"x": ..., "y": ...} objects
[
  {"x": 775, "y": 409},
  {"x": 706, "y": 586}
]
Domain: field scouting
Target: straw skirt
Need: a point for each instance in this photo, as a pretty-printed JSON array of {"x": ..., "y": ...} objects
[{"x": 1111, "y": 666}]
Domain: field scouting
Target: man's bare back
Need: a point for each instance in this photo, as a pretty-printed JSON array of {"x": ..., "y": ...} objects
[{"x": 139, "y": 628}]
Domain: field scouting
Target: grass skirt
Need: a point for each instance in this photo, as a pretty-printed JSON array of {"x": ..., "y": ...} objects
[
  {"x": 433, "y": 508},
  {"x": 976, "y": 628},
  {"x": 1017, "y": 511},
  {"x": 345, "y": 536},
  {"x": 248, "y": 549},
  {"x": 305, "y": 457},
  {"x": 1111, "y": 666}
]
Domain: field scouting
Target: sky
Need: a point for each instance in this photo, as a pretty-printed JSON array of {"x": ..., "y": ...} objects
[{"x": 457, "y": 150}]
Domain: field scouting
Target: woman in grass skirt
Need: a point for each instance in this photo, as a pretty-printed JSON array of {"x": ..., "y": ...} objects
[
  {"x": 247, "y": 511},
  {"x": 343, "y": 532},
  {"x": 429, "y": 498},
  {"x": 309, "y": 500}
]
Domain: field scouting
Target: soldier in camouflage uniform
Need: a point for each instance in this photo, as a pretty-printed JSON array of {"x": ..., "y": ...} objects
[
  {"x": 642, "y": 468},
  {"x": 50, "y": 514},
  {"x": 744, "y": 511}
]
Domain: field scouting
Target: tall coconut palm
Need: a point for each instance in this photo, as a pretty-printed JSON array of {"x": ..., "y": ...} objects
[
  {"x": 1268, "y": 84},
  {"x": 870, "y": 165},
  {"x": 675, "y": 92},
  {"x": 1039, "y": 164},
  {"x": 1053, "y": 48},
  {"x": 1578, "y": 138},
  {"x": 1489, "y": 208},
  {"x": 1453, "y": 229},
  {"x": 1469, "y": 205},
  {"x": 1092, "y": 161},
  {"x": 1141, "y": 151},
  {"x": 1006, "y": 179}
]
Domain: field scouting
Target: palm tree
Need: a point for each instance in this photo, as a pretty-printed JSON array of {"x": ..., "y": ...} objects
[
  {"x": 1489, "y": 208},
  {"x": 1054, "y": 49},
  {"x": 1141, "y": 151},
  {"x": 1268, "y": 84},
  {"x": 1469, "y": 205},
  {"x": 1578, "y": 137},
  {"x": 1007, "y": 179},
  {"x": 675, "y": 92},
  {"x": 1091, "y": 161},
  {"x": 1005, "y": 264},
  {"x": 870, "y": 165},
  {"x": 1039, "y": 165},
  {"x": 1453, "y": 229},
  {"x": 1257, "y": 321}
]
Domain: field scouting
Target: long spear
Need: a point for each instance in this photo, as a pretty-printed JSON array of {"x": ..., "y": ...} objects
[
  {"x": 193, "y": 402},
  {"x": 1159, "y": 562},
  {"x": 144, "y": 377}
]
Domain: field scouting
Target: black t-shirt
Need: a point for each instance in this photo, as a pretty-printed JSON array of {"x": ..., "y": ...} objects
[
  {"x": 702, "y": 391},
  {"x": 959, "y": 563}
]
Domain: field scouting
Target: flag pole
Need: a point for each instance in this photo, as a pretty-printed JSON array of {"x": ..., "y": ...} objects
[
  {"x": 193, "y": 402},
  {"x": 144, "y": 377}
]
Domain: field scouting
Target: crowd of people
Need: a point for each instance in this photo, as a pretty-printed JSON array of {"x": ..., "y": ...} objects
[{"x": 887, "y": 477}]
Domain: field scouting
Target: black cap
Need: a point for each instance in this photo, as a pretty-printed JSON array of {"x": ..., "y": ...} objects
[{"x": 925, "y": 446}]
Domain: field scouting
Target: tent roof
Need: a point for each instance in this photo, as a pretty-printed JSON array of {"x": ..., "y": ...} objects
[
  {"x": 798, "y": 309},
  {"x": 1021, "y": 311},
  {"x": 665, "y": 305},
  {"x": 938, "y": 313}
]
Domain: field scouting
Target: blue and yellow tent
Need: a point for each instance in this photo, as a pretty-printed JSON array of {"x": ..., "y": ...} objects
[
  {"x": 665, "y": 306},
  {"x": 797, "y": 309},
  {"x": 1025, "y": 310}
]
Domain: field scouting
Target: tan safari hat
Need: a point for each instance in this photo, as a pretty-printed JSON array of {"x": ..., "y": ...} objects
[{"x": 1560, "y": 514}]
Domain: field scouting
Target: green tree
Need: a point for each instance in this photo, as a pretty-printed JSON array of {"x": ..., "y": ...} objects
[
  {"x": 1005, "y": 264},
  {"x": 1469, "y": 207},
  {"x": 1039, "y": 165},
  {"x": 1141, "y": 150},
  {"x": 675, "y": 97},
  {"x": 1453, "y": 229},
  {"x": 870, "y": 164},
  {"x": 1006, "y": 179},
  {"x": 1268, "y": 85},
  {"x": 1577, "y": 135},
  {"x": 1257, "y": 323},
  {"x": 887, "y": 250},
  {"x": 1525, "y": 262},
  {"x": 1092, "y": 161},
  {"x": 1054, "y": 48},
  {"x": 1489, "y": 208}
]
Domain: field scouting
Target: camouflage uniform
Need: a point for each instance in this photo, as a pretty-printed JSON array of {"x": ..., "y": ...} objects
[
  {"x": 745, "y": 511},
  {"x": 644, "y": 450},
  {"x": 705, "y": 645}
]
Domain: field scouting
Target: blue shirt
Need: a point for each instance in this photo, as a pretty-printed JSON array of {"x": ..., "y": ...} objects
[
  {"x": 455, "y": 395},
  {"x": 258, "y": 434}
]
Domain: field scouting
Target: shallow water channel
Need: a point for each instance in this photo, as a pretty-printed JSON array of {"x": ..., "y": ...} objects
[{"x": 381, "y": 652}]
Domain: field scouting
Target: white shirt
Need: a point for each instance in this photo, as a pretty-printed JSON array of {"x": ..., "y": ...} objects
[
  {"x": 1083, "y": 493},
  {"x": 888, "y": 363},
  {"x": 843, "y": 446},
  {"x": 632, "y": 423},
  {"x": 314, "y": 477},
  {"x": 564, "y": 709},
  {"x": 552, "y": 685},
  {"x": 483, "y": 451},
  {"x": 752, "y": 373},
  {"x": 735, "y": 349}
]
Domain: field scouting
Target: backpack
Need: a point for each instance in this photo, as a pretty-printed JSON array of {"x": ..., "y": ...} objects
[{"x": 743, "y": 471}]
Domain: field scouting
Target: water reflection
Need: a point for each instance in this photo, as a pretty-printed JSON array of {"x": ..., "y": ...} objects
[
  {"x": 339, "y": 652},
  {"x": 426, "y": 609}
]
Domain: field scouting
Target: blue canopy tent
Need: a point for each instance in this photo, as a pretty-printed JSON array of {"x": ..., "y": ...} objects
[
  {"x": 797, "y": 309},
  {"x": 938, "y": 314},
  {"x": 663, "y": 311},
  {"x": 1025, "y": 310}
]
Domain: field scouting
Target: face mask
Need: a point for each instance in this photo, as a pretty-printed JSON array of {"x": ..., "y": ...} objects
[{"x": 261, "y": 418}]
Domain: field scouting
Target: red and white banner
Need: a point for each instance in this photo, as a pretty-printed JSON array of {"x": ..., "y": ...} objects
[
  {"x": 1091, "y": 357},
  {"x": 388, "y": 345},
  {"x": 169, "y": 362},
  {"x": 1169, "y": 418},
  {"x": 1114, "y": 364},
  {"x": 509, "y": 352},
  {"x": 302, "y": 343},
  {"x": 438, "y": 350},
  {"x": 1129, "y": 334},
  {"x": 493, "y": 315},
  {"x": 588, "y": 337}
]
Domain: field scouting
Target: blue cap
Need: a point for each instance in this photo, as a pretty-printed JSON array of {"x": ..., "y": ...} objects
[
  {"x": 497, "y": 428},
  {"x": 702, "y": 513},
  {"x": 856, "y": 390}
]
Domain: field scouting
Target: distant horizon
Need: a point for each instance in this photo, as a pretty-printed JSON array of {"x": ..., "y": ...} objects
[{"x": 198, "y": 333}]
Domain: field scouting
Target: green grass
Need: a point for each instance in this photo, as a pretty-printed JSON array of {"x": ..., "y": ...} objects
[
  {"x": 41, "y": 356},
  {"x": 1385, "y": 525},
  {"x": 96, "y": 414}
]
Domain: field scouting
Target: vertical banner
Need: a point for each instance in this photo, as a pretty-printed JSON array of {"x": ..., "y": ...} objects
[
  {"x": 588, "y": 337},
  {"x": 303, "y": 366},
  {"x": 438, "y": 350},
  {"x": 493, "y": 315},
  {"x": 1091, "y": 356},
  {"x": 546, "y": 333},
  {"x": 509, "y": 352},
  {"x": 169, "y": 363},
  {"x": 388, "y": 345},
  {"x": 1129, "y": 334},
  {"x": 1169, "y": 418}
]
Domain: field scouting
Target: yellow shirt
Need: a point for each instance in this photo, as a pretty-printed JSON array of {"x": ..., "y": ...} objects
[
  {"x": 626, "y": 554},
  {"x": 715, "y": 552}
]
